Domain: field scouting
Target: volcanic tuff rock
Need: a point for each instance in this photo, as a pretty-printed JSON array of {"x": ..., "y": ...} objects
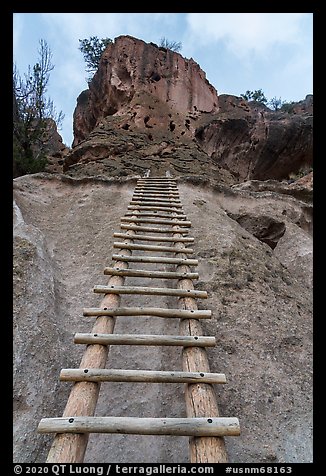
[
  {"x": 253, "y": 240},
  {"x": 260, "y": 296},
  {"x": 254, "y": 142},
  {"x": 148, "y": 107},
  {"x": 129, "y": 66}
]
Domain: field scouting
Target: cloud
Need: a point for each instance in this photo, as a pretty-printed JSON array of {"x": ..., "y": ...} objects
[
  {"x": 246, "y": 34},
  {"x": 74, "y": 26},
  {"x": 17, "y": 29}
]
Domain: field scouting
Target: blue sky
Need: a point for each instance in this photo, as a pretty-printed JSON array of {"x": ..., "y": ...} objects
[{"x": 237, "y": 51}]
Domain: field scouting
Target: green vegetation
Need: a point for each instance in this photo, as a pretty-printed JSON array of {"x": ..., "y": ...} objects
[
  {"x": 92, "y": 50},
  {"x": 276, "y": 104},
  {"x": 288, "y": 106},
  {"x": 171, "y": 45},
  {"x": 32, "y": 111},
  {"x": 257, "y": 95}
]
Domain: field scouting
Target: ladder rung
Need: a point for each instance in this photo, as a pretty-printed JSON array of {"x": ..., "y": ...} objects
[
  {"x": 145, "y": 376},
  {"x": 153, "y": 238},
  {"x": 169, "y": 249},
  {"x": 142, "y": 339},
  {"x": 163, "y": 193},
  {"x": 148, "y": 311},
  {"x": 160, "y": 201},
  {"x": 143, "y": 207},
  {"x": 152, "y": 291},
  {"x": 146, "y": 189},
  {"x": 149, "y": 273},
  {"x": 155, "y": 214},
  {"x": 125, "y": 226},
  {"x": 214, "y": 426},
  {"x": 157, "y": 182},
  {"x": 157, "y": 179},
  {"x": 154, "y": 195},
  {"x": 159, "y": 222},
  {"x": 155, "y": 259},
  {"x": 157, "y": 203},
  {"x": 157, "y": 188}
]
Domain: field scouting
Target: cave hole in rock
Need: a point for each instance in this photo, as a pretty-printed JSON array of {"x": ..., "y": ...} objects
[
  {"x": 154, "y": 77},
  {"x": 172, "y": 126},
  {"x": 146, "y": 119},
  {"x": 265, "y": 228}
]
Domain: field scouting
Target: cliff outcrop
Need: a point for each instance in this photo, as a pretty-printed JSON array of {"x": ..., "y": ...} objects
[
  {"x": 236, "y": 163},
  {"x": 148, "y": 107}
]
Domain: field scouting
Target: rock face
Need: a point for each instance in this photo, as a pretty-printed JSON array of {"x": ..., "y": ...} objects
[
  {"x": 129, "y": 67},
  {"x": 253, "y": 142},
  {"x": 260, "y": 296},
  {"x": 148, "y": 110},
  {"x": 151, "y": 104}
]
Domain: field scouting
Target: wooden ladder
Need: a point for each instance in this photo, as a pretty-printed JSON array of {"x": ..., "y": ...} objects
[{"x": 155, "y": 215}]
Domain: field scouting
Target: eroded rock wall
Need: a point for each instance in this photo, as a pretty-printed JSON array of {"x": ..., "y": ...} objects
[
  {"x": 129, "y": 66},
  {"x": 261, "y": 299}
]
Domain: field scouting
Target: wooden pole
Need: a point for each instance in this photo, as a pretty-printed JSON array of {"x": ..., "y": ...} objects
[
  {"x": 142, "y": 426},
  {"x": 67, "y": 447},
  {"x": 200, "y": 398},
  {"x": 144, "y": 339}
]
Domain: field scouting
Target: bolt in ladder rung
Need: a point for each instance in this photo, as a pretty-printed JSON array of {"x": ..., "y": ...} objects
[
  {"x": 145, "y": 376},
  {"x": 144, "y": 273},
  {"x": 153, "y": 208},
  {"x": 159, "y": 222},
  {"x": 156, "y": 196},
  {"x": 167, "y": 249},
  {"x": 154, "y": 238},
  {"x": 150, "y": 229},
  {"x": 144, "y": 192},
  {"x": 214, "y": 426},
  {"x": 155, "y": 214},
  {"x": 155, "y": 259},
  {"x": 151, "y": 291},
  {"x": 148, "y": 311},
  {"x": 145, "y": 339},
  {"x": 156, "y": 188},
  {"x": 156, "y": 203}
]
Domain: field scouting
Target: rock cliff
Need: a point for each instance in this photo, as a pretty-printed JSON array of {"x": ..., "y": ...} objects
[
  {"x": 149, "y": 109},
  {"x": 148, "y": 106}
]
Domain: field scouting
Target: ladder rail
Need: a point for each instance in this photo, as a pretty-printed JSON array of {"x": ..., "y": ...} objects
[{"x": 204, "y": 426}]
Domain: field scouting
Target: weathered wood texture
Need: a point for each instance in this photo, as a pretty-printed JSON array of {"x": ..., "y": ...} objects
[
  {"x": 150, "y": 229},
  {"x": 154, "y": 207},
  {"x": 142, "y": 426},
  {"x": 174, "y": 221},
  {"x": 155, "y": 238},
  {"x": 145, "y": 376},
  {"x": 200, "y": 399},
  {"x": 155, "y": 259},
  {"x": 155, "y": 214},
  {"x": 147, "y": 290},
  {"x": 166, "y": 249},
  {"x": 68, "y": 448},
  {"x": 144, "y": 339},
  {"x": 157, "y": 203},
  {"x": 148, "y": 311},
  {"x": 149, "y": 273}
]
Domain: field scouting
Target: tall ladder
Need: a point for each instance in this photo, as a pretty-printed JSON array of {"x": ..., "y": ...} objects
[{"x": 155, "y": 202}]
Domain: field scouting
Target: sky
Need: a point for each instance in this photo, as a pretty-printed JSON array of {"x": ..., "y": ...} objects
[{"x": 237, "y": 51}]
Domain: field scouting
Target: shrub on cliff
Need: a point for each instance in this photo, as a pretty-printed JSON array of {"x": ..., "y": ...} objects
[
  {"x": 31, "y": 113},
  {"x": 92, "y": 50}
]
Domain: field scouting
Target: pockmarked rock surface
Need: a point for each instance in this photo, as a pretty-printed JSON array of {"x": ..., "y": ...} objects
[
  {"x": 148, "y": 107},
  {"x": 260, "y": 296}
]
